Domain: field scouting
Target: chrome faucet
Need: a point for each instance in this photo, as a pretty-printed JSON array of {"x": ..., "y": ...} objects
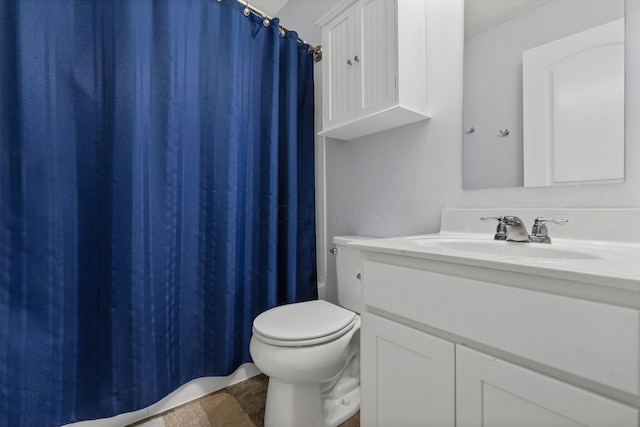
[
  {"x": 512, "y": 229},
  {"x": 516, "y": 230}
]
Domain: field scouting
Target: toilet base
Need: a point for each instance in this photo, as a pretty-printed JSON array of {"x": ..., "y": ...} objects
[
  {"x": 295, "y": 405},
  {"x": 340, "y": 410}
]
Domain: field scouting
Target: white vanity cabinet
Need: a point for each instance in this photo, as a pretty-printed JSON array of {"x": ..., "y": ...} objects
[
  {"x": 373, "y": 69},
  {"x": 447, "y": 344}
]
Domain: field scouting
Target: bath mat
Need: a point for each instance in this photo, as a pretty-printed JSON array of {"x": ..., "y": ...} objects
[{"x": 215, "y": 410}]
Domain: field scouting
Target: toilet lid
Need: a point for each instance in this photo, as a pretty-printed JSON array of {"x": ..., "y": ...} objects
[{"x": 303, "y": 321}]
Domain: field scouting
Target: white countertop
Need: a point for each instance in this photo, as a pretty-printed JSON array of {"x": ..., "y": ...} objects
[{"x": 618, "y": 266}]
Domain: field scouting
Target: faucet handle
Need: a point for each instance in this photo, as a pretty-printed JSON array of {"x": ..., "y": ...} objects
[
  {"x": 501, "y": 230},
  {"x": 490, "y": 218},
  {"x": 542, "y": 220},
  {"x": 540, "y": 233}
]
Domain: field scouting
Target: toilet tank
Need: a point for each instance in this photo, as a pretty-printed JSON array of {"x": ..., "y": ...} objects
[{"x": 348, "y": 266}]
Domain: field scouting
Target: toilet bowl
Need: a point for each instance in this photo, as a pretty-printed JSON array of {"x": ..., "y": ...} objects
[
  {"x": 311, "y": 352},
  {"x": 314, "y": 380}
]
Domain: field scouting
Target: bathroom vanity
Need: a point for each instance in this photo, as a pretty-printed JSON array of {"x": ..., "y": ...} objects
[{"x": 462, "y": 330}]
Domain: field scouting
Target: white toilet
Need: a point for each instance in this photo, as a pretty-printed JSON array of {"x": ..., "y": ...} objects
[{"x": 311, "y": 352}]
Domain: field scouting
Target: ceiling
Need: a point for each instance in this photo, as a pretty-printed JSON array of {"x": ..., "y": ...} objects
[
  {"x": 480, "y": 15},
  {"x": 270, "y": 7}
]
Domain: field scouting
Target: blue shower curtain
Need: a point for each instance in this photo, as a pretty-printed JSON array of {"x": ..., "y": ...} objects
[{"x": 156, "y": 194}]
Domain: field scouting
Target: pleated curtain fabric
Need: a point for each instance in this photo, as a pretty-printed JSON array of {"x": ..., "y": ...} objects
[{"x": 156, "y": 194}]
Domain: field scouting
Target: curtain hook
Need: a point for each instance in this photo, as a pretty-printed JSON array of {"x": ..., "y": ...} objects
[
  {"x": 246, "y": 11},
  {"x": 266, "y": 22},
  {"x": 283, "y": 33}
]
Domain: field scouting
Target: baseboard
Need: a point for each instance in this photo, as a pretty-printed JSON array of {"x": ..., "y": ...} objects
[{"x": 188, "y": 392}]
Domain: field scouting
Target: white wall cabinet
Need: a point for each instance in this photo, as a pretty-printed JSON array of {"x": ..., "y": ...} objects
[
  {"x": 373, "y": 68},
  {"x": 506, "y": 353}
]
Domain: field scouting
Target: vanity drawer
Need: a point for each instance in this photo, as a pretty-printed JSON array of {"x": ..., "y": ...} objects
[{"x": 596, "y": 341}]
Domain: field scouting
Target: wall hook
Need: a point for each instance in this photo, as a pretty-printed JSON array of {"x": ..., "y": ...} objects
[
  {"x": 470, "y": 130},
  {"x": 504, "y": 132}
]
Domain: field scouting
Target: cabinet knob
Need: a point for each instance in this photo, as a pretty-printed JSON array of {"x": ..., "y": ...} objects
[
  {"x": 349, "y": 62},
  {"x": 357, "y": 58}
]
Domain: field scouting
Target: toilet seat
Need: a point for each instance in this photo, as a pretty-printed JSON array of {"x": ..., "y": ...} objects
[{"x": 303, "y": 324}]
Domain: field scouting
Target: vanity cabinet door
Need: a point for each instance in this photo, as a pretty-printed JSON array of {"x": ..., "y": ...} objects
[
  {"x": 491, "y": 392},
  {"x": 407, "y": 376}
]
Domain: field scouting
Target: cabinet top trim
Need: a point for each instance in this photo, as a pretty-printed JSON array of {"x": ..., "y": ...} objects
[{"x": 331, "y": 14}]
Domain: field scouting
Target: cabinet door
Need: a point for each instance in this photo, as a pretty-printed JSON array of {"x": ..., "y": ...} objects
[
  {"x": 376, "y": 52},
  {"x": 338, "y": 73},
  {"x": 407, "y": 376},
  {"x": 493, "y": 393}
]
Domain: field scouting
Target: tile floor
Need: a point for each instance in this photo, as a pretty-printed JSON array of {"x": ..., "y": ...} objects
[{"x": 250, "y": 394}]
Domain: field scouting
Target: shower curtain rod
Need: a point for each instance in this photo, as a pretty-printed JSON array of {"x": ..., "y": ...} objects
[{"x": 317, "y": 50}]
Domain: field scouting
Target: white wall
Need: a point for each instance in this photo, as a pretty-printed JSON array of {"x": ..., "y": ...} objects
[{"x": 396, "y": 182}]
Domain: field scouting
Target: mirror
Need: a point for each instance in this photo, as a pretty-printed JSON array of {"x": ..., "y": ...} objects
[{"x": 543, "y": 93}]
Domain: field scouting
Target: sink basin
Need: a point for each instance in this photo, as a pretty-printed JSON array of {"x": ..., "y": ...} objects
[{"x": 503, "y": 249}]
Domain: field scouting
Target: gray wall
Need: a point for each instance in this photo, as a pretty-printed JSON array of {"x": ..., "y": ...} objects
[
  {"x": 493, "y": 84},
  {"x": 395, "y": 182}
]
